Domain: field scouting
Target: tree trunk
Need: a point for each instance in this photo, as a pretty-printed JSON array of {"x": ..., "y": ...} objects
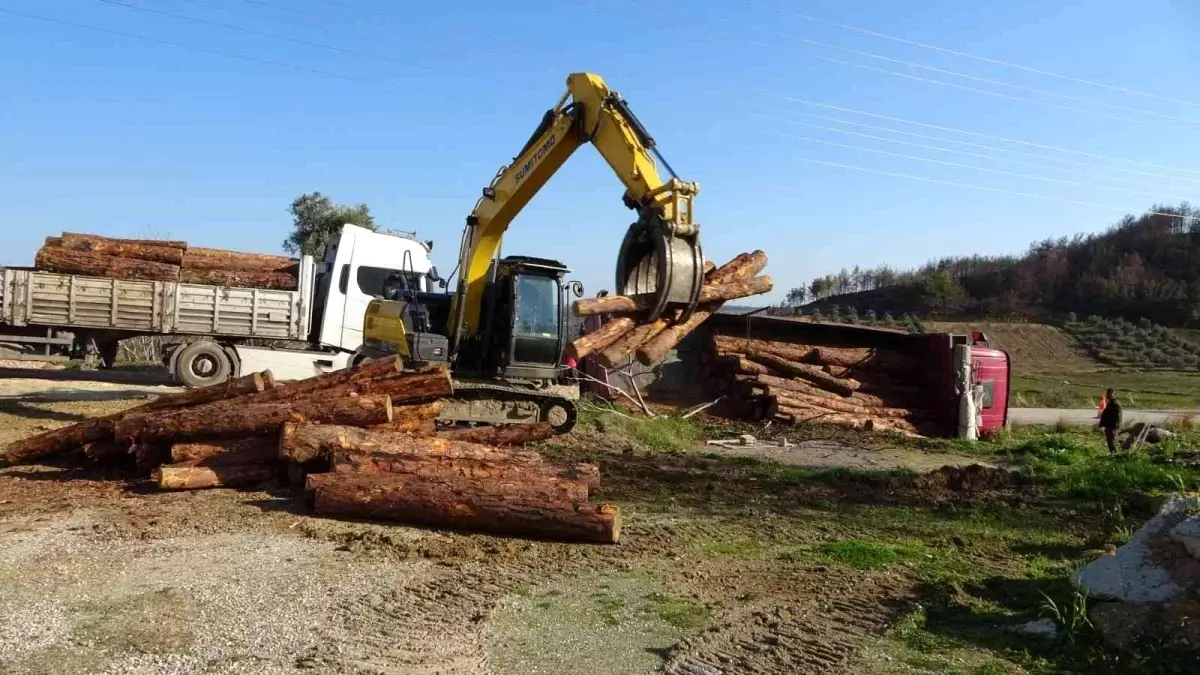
[
  {"x": 602, "y": 337},
  {"x": 280, "y": 281},
  {"x": 629, "y": 304},
  {"x": 181, "y": 245},
  {"x": 302, "y": 443},
  {"x": 502, "y": 434},
  {"x": 793, "y": 385},
  {"x": 817, "y": 416},
  {"x": 656, "y": 348},
  {"x": 233, "y": 420},
  {"x": 105, "y": 451},
  {"x": 415, "y": 386},
  {"x": 414, "y": 419},
  {"x": 412, "y": 427},
  {"x": 33, "y": 448},
  {"x": 209, "y": 259},
  {"x": 66, "y": 261},
  {"x": 240, "y": 386},
  {"x": 189, "y": 476},
  {"x": 811, "y": 373},
  {"x": 618, "y": 351},
  {"x": 795, "y": 399},
  {"x": 52, "y": 242},
  {"x": 740, "y": 364},
  {"x": 364, "y": 371},
  {"x": 150, "y": 251},
  {"x": 784, "y": 350},
  {"x": 249, "y": 450},
  {"x": 489, "y": 506},
  {"x": 575, "y": 481},
  {"x": 865, "y": 360}
]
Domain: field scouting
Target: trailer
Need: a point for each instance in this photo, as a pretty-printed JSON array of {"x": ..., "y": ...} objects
[{"x": 211, "y": 333}]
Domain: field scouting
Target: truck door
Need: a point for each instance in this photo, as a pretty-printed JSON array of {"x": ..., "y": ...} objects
[{"x": 990, "y": 369}]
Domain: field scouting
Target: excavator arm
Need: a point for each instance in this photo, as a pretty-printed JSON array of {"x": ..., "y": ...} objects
[{"x": 661, "y": 251}]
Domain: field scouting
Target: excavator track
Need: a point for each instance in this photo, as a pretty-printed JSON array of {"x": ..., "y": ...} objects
[{"x": 492, "y": 403}]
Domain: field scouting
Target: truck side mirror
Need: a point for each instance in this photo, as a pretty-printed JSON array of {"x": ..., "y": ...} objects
[{"x": 577, "y": 288}]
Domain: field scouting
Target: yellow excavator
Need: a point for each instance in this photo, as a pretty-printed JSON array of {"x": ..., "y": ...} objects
[{"x": 505, "y": 327}]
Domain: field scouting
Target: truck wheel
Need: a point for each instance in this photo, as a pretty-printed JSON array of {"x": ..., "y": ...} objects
[{"x": 202, "y": 363}]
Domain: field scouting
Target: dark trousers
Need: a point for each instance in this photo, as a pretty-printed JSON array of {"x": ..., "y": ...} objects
[{"x": 1110, "y": 435}]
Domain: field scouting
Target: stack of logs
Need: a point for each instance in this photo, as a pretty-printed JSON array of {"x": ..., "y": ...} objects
[
  {"x": 630, "y": 331},
  {"x": 154, "y": 260},
  {"x": 363, "y": 440},
  {"x": 794, "y": 384}
]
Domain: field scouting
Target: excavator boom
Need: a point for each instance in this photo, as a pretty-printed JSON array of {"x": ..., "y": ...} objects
[{"x": 661, "y": 252}]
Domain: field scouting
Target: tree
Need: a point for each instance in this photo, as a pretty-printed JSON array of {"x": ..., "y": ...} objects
[
  {"x": 888, "y": 320},
  {"x": 869, "y": 317},
  {"x": 852, "y": 314},
  {"x": 797, "y": 296},
  {"x": 316, "y": 220},
  {"x": 835, "y": 314}
]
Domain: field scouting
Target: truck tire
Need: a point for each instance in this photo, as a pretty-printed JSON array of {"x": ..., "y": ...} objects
[{"x": 202, "y": 363}]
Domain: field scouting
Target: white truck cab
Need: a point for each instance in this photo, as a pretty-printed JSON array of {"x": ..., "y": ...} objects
[{"x": 359, "y": 266}]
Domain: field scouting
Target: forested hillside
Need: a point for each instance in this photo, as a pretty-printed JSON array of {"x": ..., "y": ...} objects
[{"x": 1143, "y": 267}]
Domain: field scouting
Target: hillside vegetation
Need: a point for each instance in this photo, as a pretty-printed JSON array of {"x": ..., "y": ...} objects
[{"x": 1146, "y": 267}]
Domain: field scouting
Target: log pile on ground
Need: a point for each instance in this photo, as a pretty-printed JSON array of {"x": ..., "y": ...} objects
[
  {"x": 795, "y": 384},
  {"x": 154, "y": 260},
  {"x": 365, "y": 442},
  {"x": 631, "y": 333}
]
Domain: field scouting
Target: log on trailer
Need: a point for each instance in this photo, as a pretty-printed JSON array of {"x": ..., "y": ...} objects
[
  {"x": 813, "y": 374},
  {"x": 150, "y": 251},
  {"x": 190, "y": 476},
  {"x": 166, "y": 243},
  {"x": 279, "y": 281},
  {"x": 478, "y": 505},
  {"x": 748, "y": 347},
  {"x": 233, "y": 420},
  {"x": 66, "y": 261},
  {"x": 208, "y": 259}
]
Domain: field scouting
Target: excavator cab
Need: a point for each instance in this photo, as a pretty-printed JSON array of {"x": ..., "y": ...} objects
[{"x": 523, "y": 333}]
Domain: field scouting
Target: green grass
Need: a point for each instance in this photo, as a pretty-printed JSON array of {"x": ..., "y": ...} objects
[
  {"x": 1146, "y": 390},
  {"x": 663, "y": 433},
  {"x": 676, "y": 611},
  {"x": 861, "y": 555}
]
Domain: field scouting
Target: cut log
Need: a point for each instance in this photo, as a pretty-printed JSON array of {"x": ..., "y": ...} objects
[
  {"x": 813, "y": 374},
  {"x": 414, "y": 386},
  {"x": 33, "y": 448},
  {"x": 233, "y": 420},
  {"x": 630, "y": 304},
  {"x": 189, "y": 476},
  {"x": 740, "y": 364},
  {"x": 280, "y": 281},
  {"x": 153, "y": 252},
  {"x": 413, "y": 427},
  {"x": 53, "y": 241},
  {"x": 814, "y": 416},
  {"x": 784, "y": 350},
  {"x": 486, "y": 506},
  {"x": 250, "y": 450},
  {"x": 302, "y": 443},
  {"x": 239, "y": 386},
  {"x": 574, "y": 482},
  {"x": 66, "y": 261},
  {"x": 105, "y": 451},
  {"x": 599, "y": 339},
  {"x": 795, "y": 399},
  {"x": 165, "y": 243},
  {"x": 326, "y": 382},
  {"x": 656, "y": 348},
  {"x": 502, "y": 434},
  {"x": 836, "y": 371},
  {"x": 209, "y": 259},
  {"x": 150, "y": 455},
  {"x": 618, "y": 351},
  {"x": 794, "y": 385}
]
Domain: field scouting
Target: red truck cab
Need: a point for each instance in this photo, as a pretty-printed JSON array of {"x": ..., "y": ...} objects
[{"x": 990, "y": 369}]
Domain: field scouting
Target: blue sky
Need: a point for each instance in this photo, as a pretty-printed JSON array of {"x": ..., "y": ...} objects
[{"x": 108, "y": 134}]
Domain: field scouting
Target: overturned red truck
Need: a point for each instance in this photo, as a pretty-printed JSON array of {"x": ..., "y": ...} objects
[{"x": 794, "y": 372}]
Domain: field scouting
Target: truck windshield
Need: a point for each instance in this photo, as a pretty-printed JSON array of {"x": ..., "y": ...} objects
[{"x": 537, "y": 306}]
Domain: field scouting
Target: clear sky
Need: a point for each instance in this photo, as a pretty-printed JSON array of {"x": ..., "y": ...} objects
[{"x": 413, "y": 106}]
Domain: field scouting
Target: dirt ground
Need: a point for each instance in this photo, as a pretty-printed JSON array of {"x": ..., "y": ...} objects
[{"x": 103, "y": 575}]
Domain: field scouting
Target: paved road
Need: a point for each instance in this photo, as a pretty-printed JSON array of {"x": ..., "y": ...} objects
[{"x": 1031, "y": 416}]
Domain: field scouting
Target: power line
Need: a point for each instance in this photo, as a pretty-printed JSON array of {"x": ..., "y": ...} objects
[
  {"x": 968, "y": 153},
  {"x": 206, "y": 50},
  {"x": 976, "y": 57},
  {"x": 953, "y": 73},
  {"x": 985, "y": 92},
  {"x": 978, "y": 134},
  {"x": 307, "y": 43},
  {"x": 777, "y": 110},
  {"x": 985, "y": 188},
  {"x": 969, "y": 167}
]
